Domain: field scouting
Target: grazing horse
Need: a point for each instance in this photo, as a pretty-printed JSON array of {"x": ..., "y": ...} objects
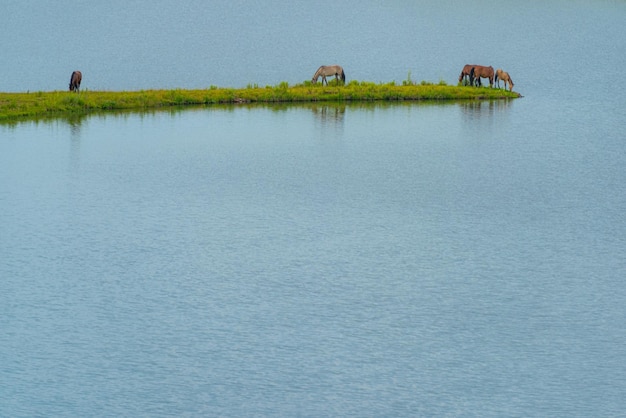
[
  {"x": 465, "y": 72},
  {"x": 77, "y": 77},
  {"x": 329, "y": 70},
  {"x": 504, "y": 76},
  {"x": 479, "y": 71}
]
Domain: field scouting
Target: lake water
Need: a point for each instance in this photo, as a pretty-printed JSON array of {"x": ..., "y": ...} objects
[{"x": 315, "y": 260}]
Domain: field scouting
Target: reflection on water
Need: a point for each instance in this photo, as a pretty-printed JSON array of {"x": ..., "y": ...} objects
[
  {"x": 483, "y": 108},
  {"x": 75, "y": 125},
  {"x": 483, "y": 118},
  {"x": 75, "y": 120},
  {"x": 329, "y": 115}
]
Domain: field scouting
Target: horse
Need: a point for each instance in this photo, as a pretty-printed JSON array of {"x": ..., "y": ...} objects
[
  {"x": 75, "y": 80},
  {"x": 480, "y": 71},
  {"x": 504, "y": 76},
  {"x": 465, "y": 72},
  {"x": 329, "y": 70}
]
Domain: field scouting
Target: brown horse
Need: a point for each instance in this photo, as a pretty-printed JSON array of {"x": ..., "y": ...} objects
[
  {"x": 465, "y": 72},
  {"x": 504, "y": 76},
  {"x": 77, "y": 77},
  {"x": 480, "y": 71},
  {"x": 329, "y": 70}
]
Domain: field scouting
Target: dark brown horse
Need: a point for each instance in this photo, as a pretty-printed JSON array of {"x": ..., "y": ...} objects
[
  {"x": 480, "y": 71},
  {"x": 77, "y": 77},
  {"x": 465, "y": 72}
]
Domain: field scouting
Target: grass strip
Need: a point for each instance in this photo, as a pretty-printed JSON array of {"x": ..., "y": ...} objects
[{"x": 25, "y": 105}]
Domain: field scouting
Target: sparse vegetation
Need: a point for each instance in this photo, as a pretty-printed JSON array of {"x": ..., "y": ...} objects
[{"x": 20, "y": 105}]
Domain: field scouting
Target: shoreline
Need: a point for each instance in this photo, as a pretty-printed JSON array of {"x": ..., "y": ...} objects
[{"x": 62, "y": 103}]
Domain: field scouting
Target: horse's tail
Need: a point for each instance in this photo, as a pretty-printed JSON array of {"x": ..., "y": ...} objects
[
  {"x": 343, "y": 76},
  {"x": 496, "y": 77}
]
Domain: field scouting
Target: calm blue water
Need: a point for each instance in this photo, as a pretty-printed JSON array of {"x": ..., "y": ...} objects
[{"x": 315, "y": 260}]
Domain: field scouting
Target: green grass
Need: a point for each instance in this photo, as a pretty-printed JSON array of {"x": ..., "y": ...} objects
[{"x": 25, "y": 105}]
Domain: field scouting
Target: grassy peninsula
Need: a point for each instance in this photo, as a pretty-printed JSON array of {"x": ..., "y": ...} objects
[{"x": 35, "y": 104}]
